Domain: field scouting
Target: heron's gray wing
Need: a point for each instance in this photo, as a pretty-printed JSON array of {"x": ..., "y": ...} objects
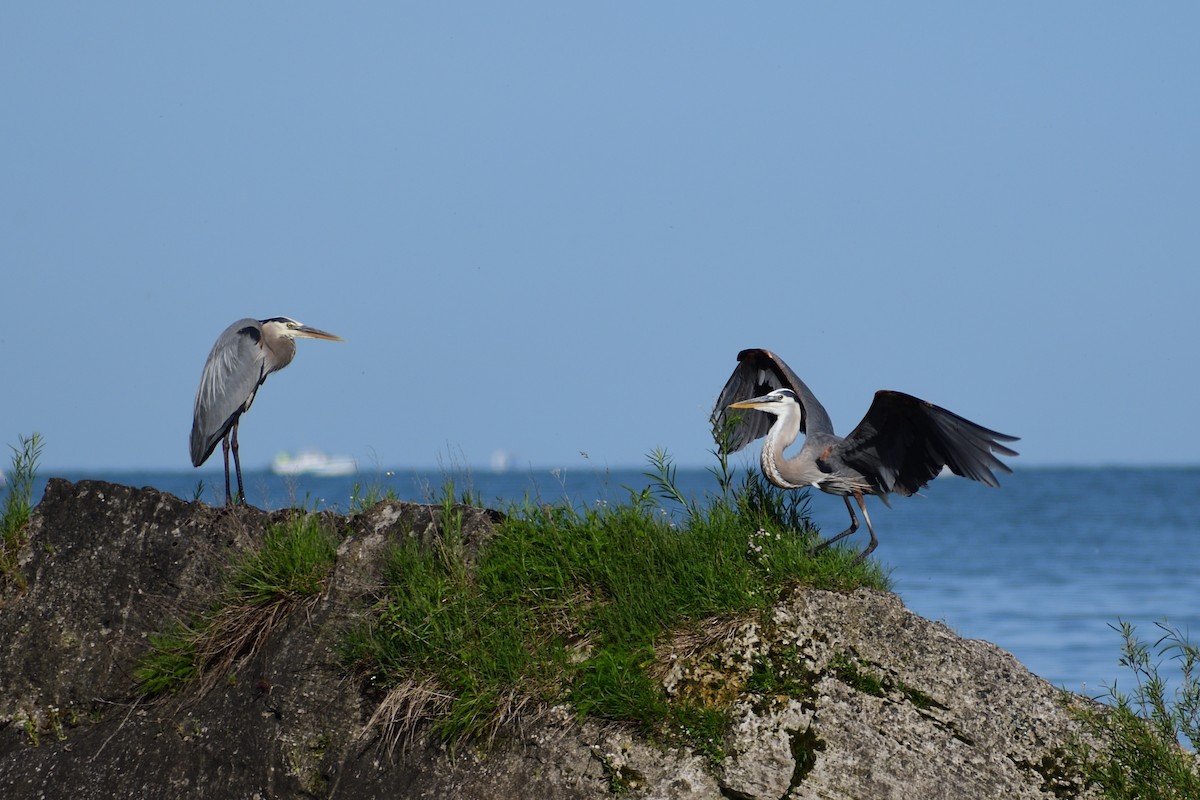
[
  {"x": 758, "y": 372},
  {"x": 231, "y": 376},
  {"x": 903, "y": 442}
]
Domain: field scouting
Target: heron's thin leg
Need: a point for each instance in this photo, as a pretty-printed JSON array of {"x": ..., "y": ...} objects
[
  {"x": 225, "y": 452},
  {"x": 237, "y": 463},
  {"x": 863, "y": 505},
  {"x": 853, "y": 527}
]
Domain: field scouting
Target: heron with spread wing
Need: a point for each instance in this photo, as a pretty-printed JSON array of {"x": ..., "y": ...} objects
[
  {"x": 901, "y": 444},
  {"x": 244, "y": 355}
]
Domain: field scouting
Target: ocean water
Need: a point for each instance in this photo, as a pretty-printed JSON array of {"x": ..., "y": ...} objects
[{"x": 1042, "y": 566}]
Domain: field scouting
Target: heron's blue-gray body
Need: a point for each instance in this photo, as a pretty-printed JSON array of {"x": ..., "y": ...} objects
[{"x": 244, "y": 355}]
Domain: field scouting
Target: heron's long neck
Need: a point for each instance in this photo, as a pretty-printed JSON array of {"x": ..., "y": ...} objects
[{"x": 779, "y": 438}]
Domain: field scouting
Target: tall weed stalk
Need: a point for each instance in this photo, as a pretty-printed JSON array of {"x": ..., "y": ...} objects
[{"x": 18, "y": 506}]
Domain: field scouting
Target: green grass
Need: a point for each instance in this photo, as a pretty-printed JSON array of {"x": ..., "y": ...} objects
[
  {"x": 363, "y": 498},
  {"x": 1140, "y": 754},
  {"x": 291, "y": 566},
  {"x": 18, "y": 505},
  {"x": 567, "y": 605},
  {"x": 171, "y": 663},
  {"x": 294, "y": 562}
]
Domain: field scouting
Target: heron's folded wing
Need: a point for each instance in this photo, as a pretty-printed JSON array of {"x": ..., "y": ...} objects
[{"x": 231, "y": 376}]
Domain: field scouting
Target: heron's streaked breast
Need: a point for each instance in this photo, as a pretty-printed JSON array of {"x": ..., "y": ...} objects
[{"x": 770, "y": 468}]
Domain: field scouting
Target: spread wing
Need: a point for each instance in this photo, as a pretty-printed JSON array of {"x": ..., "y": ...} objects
[
  {"x": 903, "y": 442},
  {"x": 231, "y": 376},
  {"x": 758, "y": 372}
]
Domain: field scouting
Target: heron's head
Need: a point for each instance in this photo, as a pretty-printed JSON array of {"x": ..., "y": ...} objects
[
  {"x": 776, "y": 402},
  {"x": 286, "y": 326}
]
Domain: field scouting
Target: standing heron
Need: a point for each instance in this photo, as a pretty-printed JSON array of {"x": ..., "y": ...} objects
[
  {"x": 901, "y": 444},
  {"x": 245, "y": 354}
]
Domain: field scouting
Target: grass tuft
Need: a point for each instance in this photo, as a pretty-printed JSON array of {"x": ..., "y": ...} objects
[
  {"x": 365, "y": 498},
  {"x": 171, "y": 661},
  {"x": 294, "y": 562},
  {"x": 568, "y": 605},
  {"x": 289, "y": 569},
  {"x": 18, "y": 506}
]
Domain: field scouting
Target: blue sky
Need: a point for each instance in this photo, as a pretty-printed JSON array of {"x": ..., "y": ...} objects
[{"x": 548, "y": 228}]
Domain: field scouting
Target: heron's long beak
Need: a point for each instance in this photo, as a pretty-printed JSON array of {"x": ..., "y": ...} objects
[
  {"x": 315, "y": 333},
  {"x": 754, "y": 402}
]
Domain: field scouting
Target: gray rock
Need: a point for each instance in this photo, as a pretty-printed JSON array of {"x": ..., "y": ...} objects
[{"x": 836, "y": 696}]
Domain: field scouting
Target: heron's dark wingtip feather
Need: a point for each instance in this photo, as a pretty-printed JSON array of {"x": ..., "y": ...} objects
[
  {"x": 199, "y": 452},
  {"x": 761, "y": 358},
  {"x": 904, "y": 442},
  {"x": 202, "y": 446}
]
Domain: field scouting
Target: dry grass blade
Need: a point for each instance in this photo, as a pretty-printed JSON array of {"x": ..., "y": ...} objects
[
  {"x": 688, "y": 644},
  {"x": 232, "y": 632},
  {"x": 404, "y": 709}
]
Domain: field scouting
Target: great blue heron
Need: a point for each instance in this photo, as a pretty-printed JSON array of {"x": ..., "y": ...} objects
[
  {"x": 901, "y": 444},
  {"x": 245, "y": 354}
]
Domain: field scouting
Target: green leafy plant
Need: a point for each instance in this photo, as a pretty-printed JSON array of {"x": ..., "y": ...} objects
[
  {"x": 18, "y": 506},
  {"x": 1140, "y": 754},
  {"x": 663, "y": 483},
  {"x": 722, "y": 432}
]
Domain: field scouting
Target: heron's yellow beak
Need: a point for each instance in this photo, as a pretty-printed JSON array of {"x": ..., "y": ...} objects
[
  {"x": 315, "y": 333},
  {"x": 753, "y": 402}
]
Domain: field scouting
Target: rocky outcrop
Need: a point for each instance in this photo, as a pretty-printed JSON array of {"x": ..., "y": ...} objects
[{"x": 833, "y": 695}]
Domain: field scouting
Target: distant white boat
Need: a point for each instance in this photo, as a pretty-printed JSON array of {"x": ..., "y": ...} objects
[
  {"x": 313, "y": 462},
  {"x": 500, "y": 460}
]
